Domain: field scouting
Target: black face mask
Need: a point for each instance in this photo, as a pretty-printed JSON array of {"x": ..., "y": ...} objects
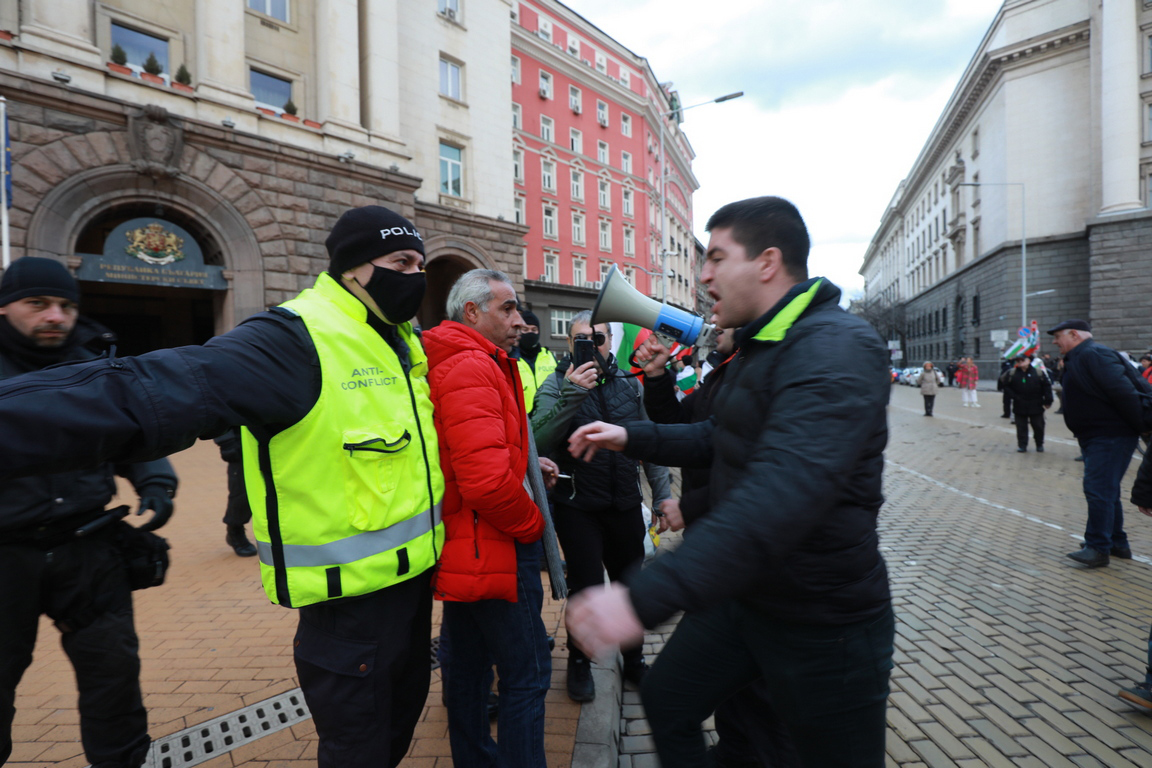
[
  {"x": 529, "y": 341},
  {"x": 398, "y": 294}
]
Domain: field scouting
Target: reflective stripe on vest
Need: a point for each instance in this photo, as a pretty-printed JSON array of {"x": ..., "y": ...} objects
[
  {"x": 346, "y": 501},
  {"x": 356, "y": 547}
]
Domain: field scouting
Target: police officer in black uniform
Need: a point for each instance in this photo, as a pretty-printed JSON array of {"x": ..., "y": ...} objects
[{"x": 58, "y": 554}]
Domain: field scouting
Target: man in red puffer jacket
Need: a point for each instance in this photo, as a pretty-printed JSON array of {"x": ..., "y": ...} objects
[{"x": 489, "y": 572}]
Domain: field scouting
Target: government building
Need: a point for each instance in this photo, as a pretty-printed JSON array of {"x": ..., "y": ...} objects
[{"x": 1046, "y": 147}]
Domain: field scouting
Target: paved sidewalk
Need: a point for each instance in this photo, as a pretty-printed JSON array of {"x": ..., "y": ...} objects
[
  {"x": 1007, "y": 653},
  {"x": 211, "y": 643}
]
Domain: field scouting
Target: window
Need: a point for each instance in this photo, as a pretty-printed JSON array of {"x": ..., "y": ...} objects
[
  {"x": 577, "y": 184},
  {"x": 277, "y": 9},
  {"x": 545, "y": 84},
  {"x": 561, "y": 321},
  {"x": 451, "y": 170},
  {"x": 574, "y": 99},
  {"x": 450, "y": 8},
  {"x": 546, "y": 128},
  {"x": 601, "y": 63},
  {"x": 138, "y": 46},
  {"x": 578, "y": 228},
  {"x": 626, "y": 81},
  {"x": 976, "y": 309},
  {"x": 575, "y": 141},
  {"x": 550, "y": 224},
  {"x": 518, "y": 207},
  {"x": 605, "y": 235},
  {"x": 579, "y": 275},
  {"x": 517, "y": 116},
  {"x": 627, "y": 202},
  {"x": 605, "y": 194},
  {"x": 515, "y": 69},
  {"x": 450, "y": 79},
  {"x": 518, "y": 165},
  {"x": 629, "y": 241},
  {"x": 544, "y": 29},
  {"x": 630, "y": 275},
  {"x": 573, "y": 45},
  {"x": 602, "y": 152},
  {"x": 626, "y": 162},
  {"x": 548, "y": 175},
  {"x": 602, "y": 113},
  {"x": 975, "y": 143},
  {"x": 625, "y": 124},
  {"x": 605, "y": 268},
  {"x": 269, "y": 90}
]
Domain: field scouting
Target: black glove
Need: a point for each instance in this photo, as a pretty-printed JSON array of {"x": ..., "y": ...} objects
[{"x": 158, "y": 499}]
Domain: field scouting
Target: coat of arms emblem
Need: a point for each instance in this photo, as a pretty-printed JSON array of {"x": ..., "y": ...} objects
[{"x": 154, "y": 245}]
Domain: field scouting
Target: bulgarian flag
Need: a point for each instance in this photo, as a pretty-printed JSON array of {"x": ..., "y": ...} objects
[
  {"x": 629, "y": 337},
  {"x": 686, "y": 380},
  {"x": 1027, "y": 343}
]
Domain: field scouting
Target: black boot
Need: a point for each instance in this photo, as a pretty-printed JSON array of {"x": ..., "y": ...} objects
[
  {"x": 238, "y": 540},
  {"x": 580, "y": 685}
]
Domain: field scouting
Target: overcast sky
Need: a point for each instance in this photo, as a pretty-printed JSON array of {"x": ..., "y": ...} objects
[{"x": 840, "y": 96}]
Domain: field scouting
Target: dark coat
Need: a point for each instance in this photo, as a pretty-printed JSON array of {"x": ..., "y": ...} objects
[
  {"x": 796, "y": 449},
  {"x": 74, "y": 497},
  {"x": 1100, "y": 399},
  {"x": 1030, "y": 390},
  {"x": 664, "y": 408},
  {"x": 1142, "y": 488}
]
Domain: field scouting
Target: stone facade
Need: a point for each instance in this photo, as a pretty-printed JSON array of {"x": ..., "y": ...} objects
[
  {"x": 1120, "y": 281},
  {"x": 264, "y": 207}
]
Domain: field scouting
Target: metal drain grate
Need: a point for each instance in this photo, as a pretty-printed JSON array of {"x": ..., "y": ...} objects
[{"x": 210, "y": 739}]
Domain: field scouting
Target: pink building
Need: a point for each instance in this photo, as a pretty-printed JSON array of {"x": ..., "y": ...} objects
[{"x": 587, "y": 162}]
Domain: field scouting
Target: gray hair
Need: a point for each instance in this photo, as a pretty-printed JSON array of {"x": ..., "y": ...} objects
[
  {"x": 476, "y": 287},
  {"x": 583, "y": 317}
]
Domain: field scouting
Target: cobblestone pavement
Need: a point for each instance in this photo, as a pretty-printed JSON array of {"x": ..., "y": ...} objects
[{"x": 1007, "y": 653}]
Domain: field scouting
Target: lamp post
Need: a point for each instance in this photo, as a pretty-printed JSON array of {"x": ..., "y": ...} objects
[
  {"x": 1023, "y": 242},
  {"x": 663, "y": 181}
]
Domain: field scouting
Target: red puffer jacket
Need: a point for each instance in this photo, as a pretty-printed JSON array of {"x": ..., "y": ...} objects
[{"x": 483, "y": 434}]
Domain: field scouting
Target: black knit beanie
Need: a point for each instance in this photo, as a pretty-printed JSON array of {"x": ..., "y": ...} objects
[
  {"x": 529, "y": 317},
  {"x": 362, "y": 234},
  {"x": 35, "y": 276}
]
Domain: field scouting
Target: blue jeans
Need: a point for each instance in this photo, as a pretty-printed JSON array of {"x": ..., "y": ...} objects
[
  {"x": 828, "y": 684},
  {"x": 512, "y": 636},
  {"x": 1106, "y": 460}
]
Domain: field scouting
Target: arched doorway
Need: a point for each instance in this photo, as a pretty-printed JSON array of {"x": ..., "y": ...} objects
[
  {"x": 143, "y": 316},
  {"x": 442, "y": 273}
]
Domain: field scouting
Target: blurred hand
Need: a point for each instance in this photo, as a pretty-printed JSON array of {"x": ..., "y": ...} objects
[
  {"x": 653, "y": 356},
  {"x": 600, "y": 619},
  {"x": 1146, "y": 510},
  {"x": 673, "y": 519},
  {"x": 585, "y": 376},
  {"x": 590, "y": 438},
  {"x": 155, "y": 498},
  {"x": 550, "y": 472}
]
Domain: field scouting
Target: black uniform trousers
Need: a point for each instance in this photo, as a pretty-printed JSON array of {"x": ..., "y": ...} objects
[
  {"x": 82, "y": 585},
  {"x": 238, "y": 512},
  {"x": 364, "y": 666},
  {"x": 1022, "y": 422},
  {"x": 595, "y": 540}
]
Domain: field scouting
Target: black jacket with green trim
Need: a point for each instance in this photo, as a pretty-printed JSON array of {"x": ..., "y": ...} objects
[{"x": 796, "y": 450}]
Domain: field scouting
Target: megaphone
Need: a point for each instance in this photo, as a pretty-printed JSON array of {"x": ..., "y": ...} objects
[{"x": 619, "y": 302}]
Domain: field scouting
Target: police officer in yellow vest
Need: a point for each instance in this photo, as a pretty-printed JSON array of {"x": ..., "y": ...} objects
[
  {"x": 535, "y": 361},
  {"x": 341, "y": 464}
]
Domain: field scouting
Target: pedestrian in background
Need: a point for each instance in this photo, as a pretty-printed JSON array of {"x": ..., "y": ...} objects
[
  {"x": 1141, "y": 693},
  {"x": 951, "y": 370},
  {"x": 1146, "y": 367},
  {"x": 1006, "y": 367},
  {"x": 1031, "y": 394},
  {"x": 968, "y": 377},
  {"x": 1102, "y": 408},
  {"x": 930, "y": 380},
  {"x": 237, "y": 511}
]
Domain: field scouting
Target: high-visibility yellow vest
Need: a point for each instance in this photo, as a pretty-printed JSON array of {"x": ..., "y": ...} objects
[
  {"x": 346, "y": 501},
  {"x": 531, "y": 379}
]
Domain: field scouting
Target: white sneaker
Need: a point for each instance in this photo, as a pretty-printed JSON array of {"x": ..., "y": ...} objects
[
  {"x": 975, "y": 405},
  {"x": 965, "y": 405}
]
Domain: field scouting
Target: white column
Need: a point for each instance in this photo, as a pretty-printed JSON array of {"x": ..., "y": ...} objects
[
  {"x": 61, "y": 27},
  {"x": 380, "y": 90},
  {"x": 223, "y": 71},
  {"x": 338, "y": 65},
  {"x": 1120, "y": 107}
]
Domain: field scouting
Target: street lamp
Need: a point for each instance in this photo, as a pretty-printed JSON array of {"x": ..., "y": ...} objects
[
  {"x": 663, "y": 181},
  {"x": 1023, "y": 242}
]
